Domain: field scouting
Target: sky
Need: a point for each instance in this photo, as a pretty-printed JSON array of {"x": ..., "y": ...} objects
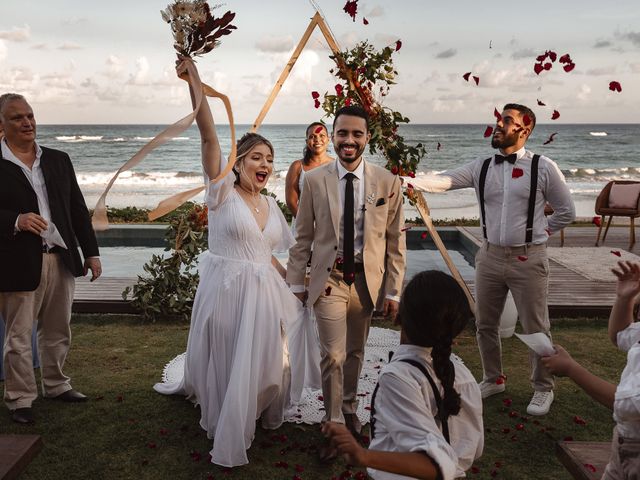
[{"x": 112, "y": 62}]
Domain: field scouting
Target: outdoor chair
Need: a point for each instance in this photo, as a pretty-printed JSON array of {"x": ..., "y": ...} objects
[
  {"x": 619, "y": 198},
  {"x": 548, "y": 210}
]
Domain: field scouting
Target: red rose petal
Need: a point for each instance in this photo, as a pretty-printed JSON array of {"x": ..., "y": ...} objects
[
  {"x": 517, "y": 173},
  {"x": 475, "y": 470},
  {"x": 506, "y": 430},
  {"x": 555, "y": 115},
  {"x": 315, "y": 95},
  {"x": 488, "y": 131},
  {"x": 550, "y": 139},
  {"x": 351, "y": 9},
  {"x": 565, "y": 58},
  {"x": 537, "y": 67},
  {"x": 318, "y": 129},
  {"x": 542, "y": 104},
  {"x": 476, "y": 79},
  {"x": 317, "y": 103},
  {"x": 578, "y": 420},
  {"x": 423, "y": 235},
  {"x": 523, "y": 258},
  {"x": 151, "y": 445},
  {"x": 498, "y": 464},
  {"x": 321, "y": 398},
  {"x": 339, "y": 89},
  {"x": 398, "y": 45},
  {"x": 552, "y": 55},
  {"x": 496, "y": 114},
  {"x": 499, "y": 381},
  {"x": 411, "y": 174},
  {"x": 569, "y": 66},
  {"x": 327, "y": 291},
  {"x": 590, "y": 467},
  {"x": 466, "y": 76},
  {"x": 547, "y": 66},
  {"x": 394, "y": 170},
  {"x": 406, "y": 228},
  {"x": 494, "y": 473},
  {"x": 541, "y": 58},
  {"x": 347, "y": 102},
  {"x": 615, "y": 86},
  {"x": 520, "y": 426},
  {"x": 616, "y": 253},
  {"x": 597, "y": 221},
  {"x": 409, "y": 186},
  {"x": 513, "y": 414},
  {"x": 507, "y": 402},
  {"x": 526, "y": 120},
  {"x": 365, "y": 21}
]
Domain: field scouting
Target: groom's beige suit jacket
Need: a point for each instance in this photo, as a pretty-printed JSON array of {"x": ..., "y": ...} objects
[{"x": 318, "y": 223}]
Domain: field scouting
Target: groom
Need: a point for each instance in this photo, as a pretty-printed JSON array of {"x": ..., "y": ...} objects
[{"x": 351, "y": 212}]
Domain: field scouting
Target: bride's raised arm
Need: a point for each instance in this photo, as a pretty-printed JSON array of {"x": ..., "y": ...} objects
[{"x": 210, "y": 146}]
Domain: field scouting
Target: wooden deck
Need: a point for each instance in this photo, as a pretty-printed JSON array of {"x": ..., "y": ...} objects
[{"x": 570, "y": 294}]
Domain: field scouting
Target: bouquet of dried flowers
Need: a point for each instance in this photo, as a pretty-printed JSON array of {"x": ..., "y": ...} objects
[{"x": 195, "y": 30}]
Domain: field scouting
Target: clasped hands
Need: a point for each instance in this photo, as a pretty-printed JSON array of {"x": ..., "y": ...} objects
[{"x": 389, "y": 307}]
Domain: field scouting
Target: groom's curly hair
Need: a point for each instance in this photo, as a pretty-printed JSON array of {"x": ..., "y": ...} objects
[{"x": 433, "y": 311}]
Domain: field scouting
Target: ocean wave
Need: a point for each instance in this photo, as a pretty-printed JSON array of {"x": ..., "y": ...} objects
[
  {"x": 146, "y": 139},
  {"x": 598, "y": 134},
  {"x": 141, "y": 179},
  {"x": 79, "y": 138},
  {"x": 602, "y": 174}
]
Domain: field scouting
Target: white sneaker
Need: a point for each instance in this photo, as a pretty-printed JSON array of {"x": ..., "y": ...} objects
[
  {"x": 540, "y": 403},
  {"x": 488, "y": 389}
]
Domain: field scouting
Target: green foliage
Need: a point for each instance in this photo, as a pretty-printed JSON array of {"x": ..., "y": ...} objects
[
  {"x": 367, "y": 75},
  {"x": 169, "y": 284},
  {"x": 283, "y": 206},
  {"x": 140, "y": 215}
]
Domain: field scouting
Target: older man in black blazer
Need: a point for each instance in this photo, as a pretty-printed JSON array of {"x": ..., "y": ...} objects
[{"x": 43, "y": 218}]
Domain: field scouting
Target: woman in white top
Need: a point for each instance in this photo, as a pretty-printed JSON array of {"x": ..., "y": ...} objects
[
  {"x": 426, "y": 412},
  {"x": 236, "y": 365},
  {"x": 315, "y": 154}
]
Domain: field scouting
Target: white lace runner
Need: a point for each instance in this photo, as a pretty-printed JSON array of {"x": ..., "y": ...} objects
[{"x": 311, "y": 408}]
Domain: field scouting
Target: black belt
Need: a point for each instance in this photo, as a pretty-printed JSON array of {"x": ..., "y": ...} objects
[
  {"x": 46, "y": 249},
  {"x": 359, "y": 267}
]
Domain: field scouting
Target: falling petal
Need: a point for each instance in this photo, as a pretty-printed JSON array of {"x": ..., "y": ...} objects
[
  {"x": 555, "y": 115},
  {"x": 569, "y": 66},
  {"x": 537, "y": 67},
  {"x": 550, "y": 139},
  {"x": 615, "y": 86},
  {"x": 616, "y": 253},
  {"x": 547, "y": 66},
  {"x": 542, "y": 104},
  {"x": 317, "y": 103},
  {"x": 398, "y": 45},
  {"x": 315, "y": 95},
  {"x": 466, "y": 76},
  {"x": 497, "y": 114},
  {"x": 476, "y": 79},
  {"x": 488, "y": 131},
  {"x": 565, "y": 58},
  {"x": 318, "y": 129},
  {"x": 423, "y": 235},
  {"x": 597, "y": 221},
  {"x": 526, "y": 120},
  {"x": 351, "y": 9},
  {"x": 552, "y": 55},
  {"x": 523, "y": 258},
  {"x": 365, "y": 21},
  {"x": 517, "y": 173}
]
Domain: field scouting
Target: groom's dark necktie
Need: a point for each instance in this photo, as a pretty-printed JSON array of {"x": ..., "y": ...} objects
[
  {"x": 349, "y": 268},
  {"x": 509, "y": 158}
]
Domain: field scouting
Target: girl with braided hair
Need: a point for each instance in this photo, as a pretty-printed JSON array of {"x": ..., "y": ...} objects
[{"x": 426, "y": 412}]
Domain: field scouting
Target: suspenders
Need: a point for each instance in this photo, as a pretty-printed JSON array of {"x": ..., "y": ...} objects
[
  {"x": 440, "y": 416},
  {"x": 532, "y": 196}
]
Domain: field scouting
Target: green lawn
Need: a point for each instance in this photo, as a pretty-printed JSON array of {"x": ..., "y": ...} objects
[{"x": 129, "y": 431}]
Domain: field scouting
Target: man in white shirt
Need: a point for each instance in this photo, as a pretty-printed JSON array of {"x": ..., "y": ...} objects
[
  {"x": 43, "y": 220},
  {"x": 351, "y": 212},
  {"x": 513, "y": 256}
]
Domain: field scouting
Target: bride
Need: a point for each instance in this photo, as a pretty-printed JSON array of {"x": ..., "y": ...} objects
[{"x": 236, "y": 366}]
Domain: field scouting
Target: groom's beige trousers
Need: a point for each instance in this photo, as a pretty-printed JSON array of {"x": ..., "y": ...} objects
[
  {"x": 48, "y": 307},
  {"x": 524, "y": 271},
  {"x": 343, "y": 315}
]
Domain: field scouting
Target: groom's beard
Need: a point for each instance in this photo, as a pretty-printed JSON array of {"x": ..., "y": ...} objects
[
  {"x": 504, "y": 140},
  {"x": 350, "y": 158}
]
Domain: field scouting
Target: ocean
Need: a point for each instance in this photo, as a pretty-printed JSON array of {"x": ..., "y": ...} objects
[{"x": 588, "y": 155}]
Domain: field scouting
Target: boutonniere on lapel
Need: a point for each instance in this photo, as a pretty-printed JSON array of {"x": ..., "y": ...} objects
[
  {"x": 516, "y": 173},
  {"x": 371, "y": 197},
  {"x": 381, "y": 201}
]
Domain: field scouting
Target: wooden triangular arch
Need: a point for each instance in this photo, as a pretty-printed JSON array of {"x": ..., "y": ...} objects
[{"x": 421, "y": 202}]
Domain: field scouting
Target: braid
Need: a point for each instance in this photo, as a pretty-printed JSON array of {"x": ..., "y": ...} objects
[{"x": 445, "y": 371}]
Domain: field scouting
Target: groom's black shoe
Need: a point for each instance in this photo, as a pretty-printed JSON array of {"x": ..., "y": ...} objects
[
  {"x": 23, "y": 416},
  {"x": 71, "y": 396}
]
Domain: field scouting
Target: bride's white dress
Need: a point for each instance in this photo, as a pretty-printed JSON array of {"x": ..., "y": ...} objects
[{"x": 236, "y": 366}]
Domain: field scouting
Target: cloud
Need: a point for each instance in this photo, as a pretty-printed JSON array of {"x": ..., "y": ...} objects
[
  {"x": 275, "y": 44},
  {"x": 385, "y": 39},
  {"x": 142, "y": 71},
  {"x": 16, "y": 34},
  {"x": 89, "y": 83},
  {"x": 433, "y": 77},
  {"x": 633, "y": 37},
  {"x": 4, "y": 53},
  {"x": 74, "y": 21},
  {"x": 115, "y": 67},
  {"x": 597, "y": 72},
  {"x": 451, "y": 52},
  {"x": 39, "y": 46},
  {"x": 376, "y": 11},
  {"x": 602, "y": 44},
  {"x": 523, "y": 53},
  {"x": 584, "y": 93},
  {"x": 70, "y": 46},
  {"x": 635, "y": 67}
]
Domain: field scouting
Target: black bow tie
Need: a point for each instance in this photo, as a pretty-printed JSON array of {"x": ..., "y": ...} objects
[{"x": 509, "y": 158}]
